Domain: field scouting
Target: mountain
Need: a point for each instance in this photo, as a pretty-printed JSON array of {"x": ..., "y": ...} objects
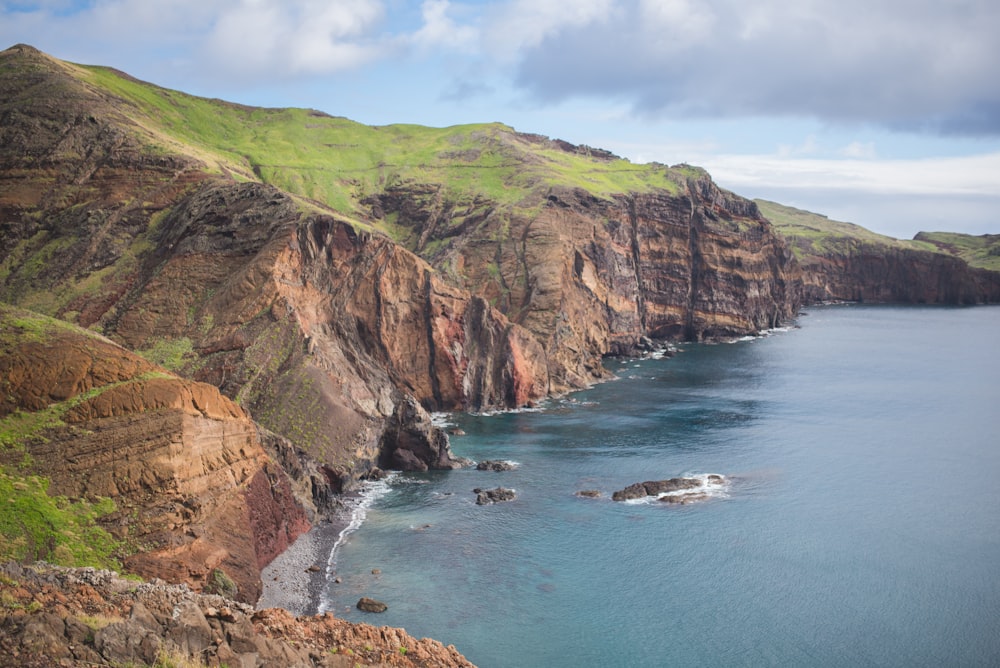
[
  {"x": 328, "y": 284},
  {"x": 843, "y": 261},
  {"x": 338, "y": 280}
]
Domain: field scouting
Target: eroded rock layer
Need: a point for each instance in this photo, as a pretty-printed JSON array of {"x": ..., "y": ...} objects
[{"x": 184, "y": 464}]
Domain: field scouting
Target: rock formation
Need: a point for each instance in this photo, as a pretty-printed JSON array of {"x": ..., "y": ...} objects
[
  {"x": 184, "y": 464},
  {"x": 485, "y": 497},
  {"x": 674, "y": 490},
  {"x": 589, "y": 276},
  {"x": 845, "y": 262},
  {"x": 55, "y": 616}
]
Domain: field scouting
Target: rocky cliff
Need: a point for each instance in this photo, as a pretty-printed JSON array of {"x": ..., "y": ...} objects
[
  {"x": 589, "y": 275},
  {"x": 331, "y": 335},
  {"x": 842, "y": 261},
  {"x": 195, "y": 493}
]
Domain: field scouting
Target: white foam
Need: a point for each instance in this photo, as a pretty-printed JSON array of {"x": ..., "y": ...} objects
[
  {"x": 442, "y": 420},
  {"x": 371, "y": 492},
  {"x": 709, "y": 488}
]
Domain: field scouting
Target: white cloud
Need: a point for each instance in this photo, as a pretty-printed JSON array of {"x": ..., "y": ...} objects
[
  {"x": 441, "y": 30},
  {"x": 976, "y": 175},
  {"x": 858, "y": 149},
  {"x": 901, "y": 64},
  {"x": 520, "y": 24},
  {"x": 266, "y": 37}
]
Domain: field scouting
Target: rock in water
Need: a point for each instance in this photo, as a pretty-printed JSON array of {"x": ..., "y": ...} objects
[
  {"x": 495, "y": 465},
  {"x": 641, "y": 490},
  {"x": 371, "y": 605},
  {"x": 487, "y": 496}
]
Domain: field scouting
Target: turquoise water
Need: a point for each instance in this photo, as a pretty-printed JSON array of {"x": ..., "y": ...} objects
[{"x": 861, "y": 524}]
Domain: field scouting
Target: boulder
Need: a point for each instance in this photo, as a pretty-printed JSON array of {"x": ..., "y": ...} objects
[
  {"x": 366, "y": 604},
  {"x": 641, "y": 490}
]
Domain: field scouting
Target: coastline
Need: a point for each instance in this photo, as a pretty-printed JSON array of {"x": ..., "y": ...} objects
[
  {"x": 292, "y": 581},
  {"x": 296, "y": 578}
]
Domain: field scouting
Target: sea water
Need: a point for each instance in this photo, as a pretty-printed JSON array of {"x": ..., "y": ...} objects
[{"x": 859, "y": 525}]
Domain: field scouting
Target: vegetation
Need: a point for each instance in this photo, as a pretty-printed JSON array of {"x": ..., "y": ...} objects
[
  {"x": 979, "y": 251},
  {"x": 34, "y": 525},
  {"x": 340, "y": 162},
  {"x": 811, "y": 234}
]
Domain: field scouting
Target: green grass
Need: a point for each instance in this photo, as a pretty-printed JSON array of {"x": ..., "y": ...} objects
[
  {"x": 979, "y": 251},
  {"x": 172, "y": 354},
  {"x": 339, "y": 162},
  {"x": 34, "y": 525},
  {"x": 812, "y": 234}
]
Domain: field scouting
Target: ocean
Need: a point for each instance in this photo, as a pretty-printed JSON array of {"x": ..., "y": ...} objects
[{"x": 859, "y": 522}]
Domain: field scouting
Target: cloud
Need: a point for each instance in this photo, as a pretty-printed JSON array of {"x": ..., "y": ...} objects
[
  {"x": 975, "y": 175},
  {"x": 441, "y": 30},
  {"x": 267, "y": 37},
  {"x": 907, "y": 64}
]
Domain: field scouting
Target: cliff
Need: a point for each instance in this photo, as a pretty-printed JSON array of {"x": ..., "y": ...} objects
[
  {"x": 842, "y": 261},
  {"x": 126, "y": 208},
  {"x": 195, "y": 495},
  {"x": 332, "y": 336}
]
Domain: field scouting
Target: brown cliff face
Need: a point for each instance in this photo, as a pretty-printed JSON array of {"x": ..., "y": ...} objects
[
  {"x": 877, "y": 275},
  {"x": 589, "y": 276},
  {"x": 325, "y": 334},
  {"x": 845, "y": 262},
  {"x": 183, "y": 463}
]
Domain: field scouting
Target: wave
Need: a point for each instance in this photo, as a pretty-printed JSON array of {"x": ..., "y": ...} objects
[
  {"x": 371, "y": 492},
  {"x": 713, "y": 486}
]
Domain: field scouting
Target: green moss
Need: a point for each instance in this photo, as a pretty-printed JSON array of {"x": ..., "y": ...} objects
[
  {"x": 172, "y": 354},
  {"x": 34, "y": 525},
  {"x": 220, "y": 583}
]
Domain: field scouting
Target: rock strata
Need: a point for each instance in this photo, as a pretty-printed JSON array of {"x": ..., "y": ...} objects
[
  {"x": 54, "y": 616},
  {"x": 184, "y": 464}
]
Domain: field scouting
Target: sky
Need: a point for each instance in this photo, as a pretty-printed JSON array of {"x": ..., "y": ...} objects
[{"x": 885, "y": 113}]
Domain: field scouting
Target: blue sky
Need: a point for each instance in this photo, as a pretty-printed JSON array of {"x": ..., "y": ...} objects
[{"x": 885, "y": 113}]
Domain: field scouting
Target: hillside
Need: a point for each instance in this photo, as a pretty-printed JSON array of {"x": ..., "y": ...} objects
[
  {"x": 981, "y": 251},
  {"x": 843, "y": 261},
  {"x": 146, "y": 469}
]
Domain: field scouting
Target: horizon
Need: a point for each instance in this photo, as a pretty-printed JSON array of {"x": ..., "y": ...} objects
[{"x": 880, "y": 114}]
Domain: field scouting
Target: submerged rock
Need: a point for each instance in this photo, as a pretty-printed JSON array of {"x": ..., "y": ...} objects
[
  {"x": 371, "y": 605},
  {"x": 495, "y": 465},
  {"x": 487, "y": 496},
  {"x": 589, "y": 493}
]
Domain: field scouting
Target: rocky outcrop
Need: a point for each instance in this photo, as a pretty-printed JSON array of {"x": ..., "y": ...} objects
[
  {"x": 845, "y": 262},
  {"x": 495, "y": 465},
  {"x": 183, "y": 463},
  {"x": 366, "y": 604},
  {"x": 53, "y": 616},
  {"x": 674, "y": 490},
  {"x": 485, "y": 497}
]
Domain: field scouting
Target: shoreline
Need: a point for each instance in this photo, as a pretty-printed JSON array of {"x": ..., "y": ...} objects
[
  {"x": 296, "y": 578},
  {"x": 291, "y": 581}
]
